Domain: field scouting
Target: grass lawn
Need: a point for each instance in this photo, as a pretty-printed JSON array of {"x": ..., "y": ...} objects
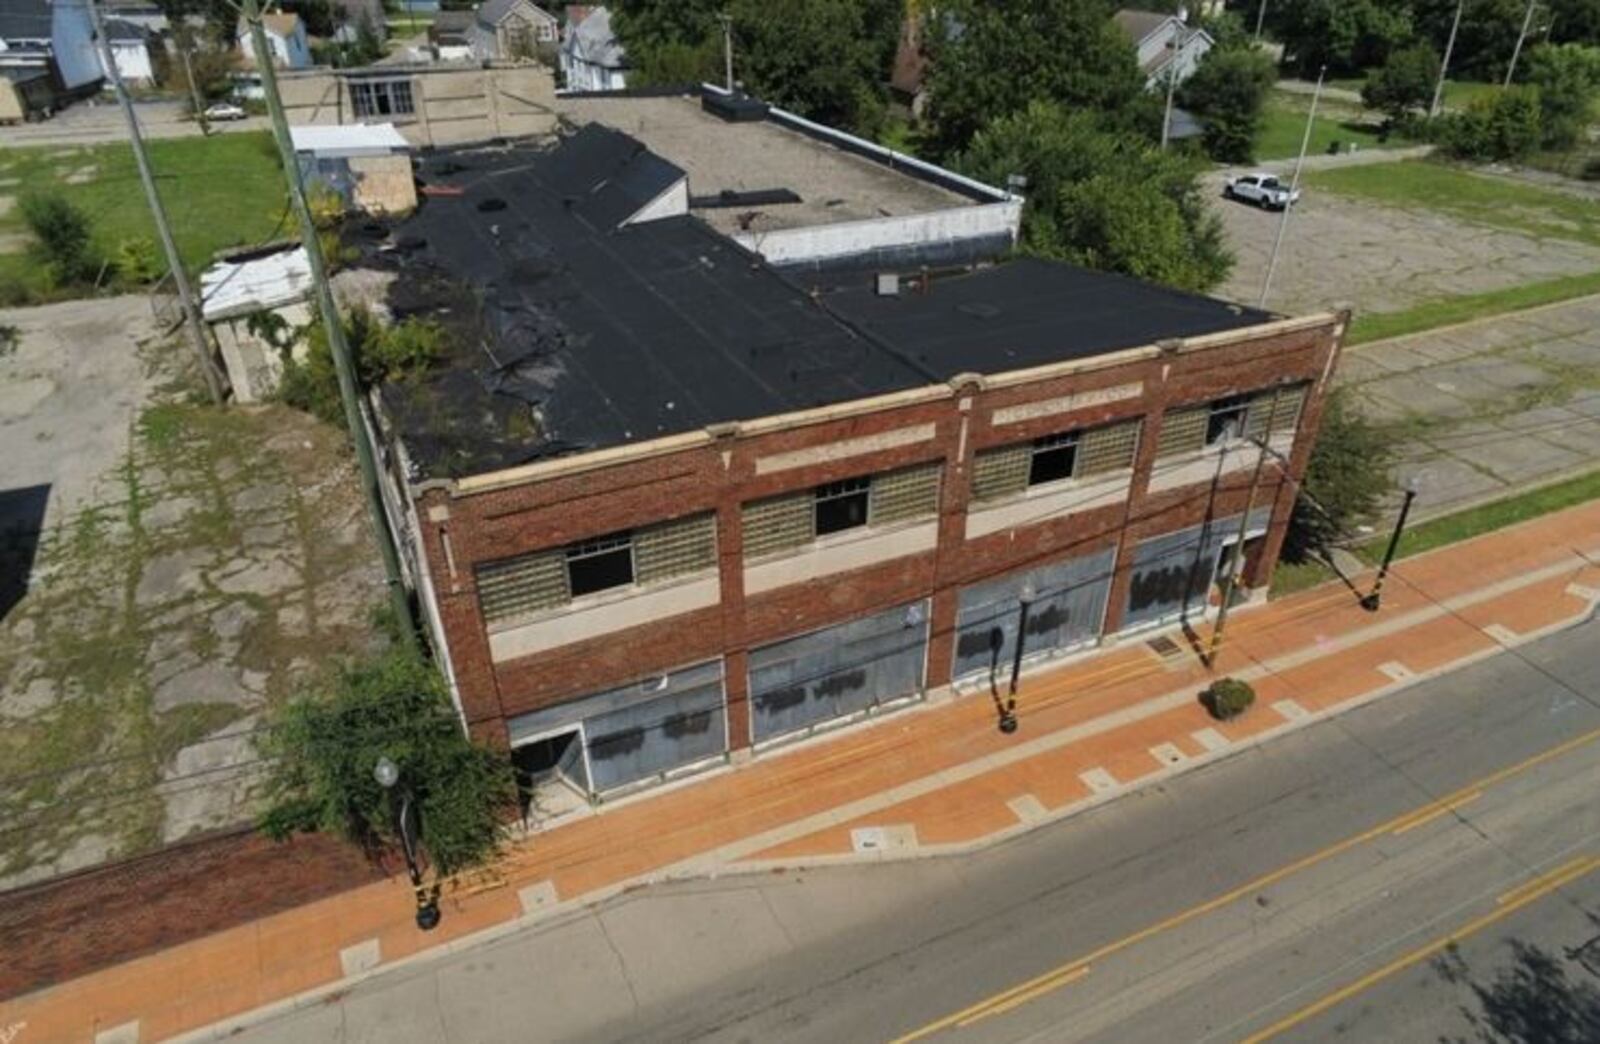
[
  {"x": 1459, "y": 94},
  {"x": 1447, "y": 311},
  {"x": 219, "y": 192},
  {"x": 1476, "y": 521},
  {"x": 1284, "y": 124},
  {"x": 1292, "y": 577},
  {"x": 1487, "y": 200}
]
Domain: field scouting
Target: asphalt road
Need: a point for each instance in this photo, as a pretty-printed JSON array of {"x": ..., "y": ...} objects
[
  {"x": 100, "y": 121},
  {"x": 1309, "y": 889}
]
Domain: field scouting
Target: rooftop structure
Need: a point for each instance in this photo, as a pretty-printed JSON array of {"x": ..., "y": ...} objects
[
  {"x": 599, "y": 327},
  {"x": 847, "y": 197}
]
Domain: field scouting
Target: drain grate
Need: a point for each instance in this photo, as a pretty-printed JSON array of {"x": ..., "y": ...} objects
[{"x": 1164, "y": 647}]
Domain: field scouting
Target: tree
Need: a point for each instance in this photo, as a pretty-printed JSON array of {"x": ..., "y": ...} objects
[
  {"x": 322, "y": 749},
  {"x": 62, "y": 238},
  {"x": 1228, "y": 91},
  {"x": 1503, "y": 126},
  {"x": 1485, "y": 39},
  {"x": 1344, "y": 35},
  {"x": 989, "y": 59},
  {"x": 1405, "y": 82},
  {"x": 1566, "y": 76},
  {"x": 1345, "y": 482},
  {"x": 1103, "y": 197}
]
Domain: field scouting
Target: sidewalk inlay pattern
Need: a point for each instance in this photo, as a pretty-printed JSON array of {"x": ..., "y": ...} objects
[{"x": 1098, "y": 780}]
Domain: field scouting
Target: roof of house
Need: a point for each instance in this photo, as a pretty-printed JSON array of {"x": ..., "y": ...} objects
[
  {"x": 347, "y": 139},
  {"x": 1140, "y": 24},
  {"x": 25, "y": 73},
  {"x": 570, "y": 333},
  {"x": 593, "y": 41},
  {"x": 279, "y": 23},
  {"x": 492, "y": 12},
  {"x": 120, "y": 31},
  {"x": 25, "y": 20}
]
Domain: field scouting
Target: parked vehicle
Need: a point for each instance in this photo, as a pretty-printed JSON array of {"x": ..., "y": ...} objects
[
  {"x": 1264, "y": 190},
  {"x": 225, "y": 111}
]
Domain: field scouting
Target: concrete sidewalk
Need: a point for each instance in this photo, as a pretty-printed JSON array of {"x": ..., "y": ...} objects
[{"x": 935, "y": 779}]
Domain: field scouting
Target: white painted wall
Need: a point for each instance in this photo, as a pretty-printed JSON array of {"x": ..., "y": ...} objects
[
  {"x": 674, "y": 202},
  {"x": 133, "y": 62}
]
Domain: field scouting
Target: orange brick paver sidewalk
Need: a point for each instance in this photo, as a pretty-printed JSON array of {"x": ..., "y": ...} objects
[{"x": 937, "y": 778}]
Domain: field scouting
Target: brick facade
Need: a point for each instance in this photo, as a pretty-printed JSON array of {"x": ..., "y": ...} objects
[{"x": 550, "y": 505}]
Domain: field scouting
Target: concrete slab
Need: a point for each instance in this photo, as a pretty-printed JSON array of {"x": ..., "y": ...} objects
[
  {"x": 1434, "y": 396},
  {"x": 1520, "y": 458},
  {"x": 363, "y": 956},
  {"x": 1098, "y": 780},
  {"x": 1447, "y": 480},
  {"x": 1027, "y": 808},
  {"x": 1505, "y": 373}
]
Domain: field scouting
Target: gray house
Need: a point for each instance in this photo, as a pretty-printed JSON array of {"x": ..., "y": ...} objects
[
  {"x": 1165, "y": 45},
  {"x": 511, "y": 29}
]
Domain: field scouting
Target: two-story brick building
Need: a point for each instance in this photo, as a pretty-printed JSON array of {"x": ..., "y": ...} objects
[{"x": 670, "y": 504}]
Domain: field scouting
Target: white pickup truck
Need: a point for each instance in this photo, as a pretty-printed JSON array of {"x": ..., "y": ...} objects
[{"x": 1264, "y": 190}]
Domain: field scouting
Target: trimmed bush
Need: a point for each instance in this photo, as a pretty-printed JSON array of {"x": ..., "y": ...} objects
[{"x": 1228, "y": 698}]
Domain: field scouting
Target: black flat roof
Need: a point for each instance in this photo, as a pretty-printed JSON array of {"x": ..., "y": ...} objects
[{"x": 571, "y": 333}]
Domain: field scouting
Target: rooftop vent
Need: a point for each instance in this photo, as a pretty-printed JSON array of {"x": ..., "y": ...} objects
[
  {"x": 735, "y": 108},
  {"x": 888, "y": 284}
]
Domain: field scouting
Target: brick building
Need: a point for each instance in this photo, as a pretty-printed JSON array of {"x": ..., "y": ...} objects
[{"x": 670, "y": 504}]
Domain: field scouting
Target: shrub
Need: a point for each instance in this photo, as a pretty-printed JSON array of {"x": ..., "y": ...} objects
[
  {"x": 1228, "y": 91},
  {"x": 136, "y": 261},
  {"x": 1229, "y": 697},
  {"x": 1405, "y": 82},
  {"x": 1503, "y": 126},
  {"x": 1567, "y": 76},
  {"x": 62, "y": 238},
  {"x": 1345, "y": 481},
  {"x": 381, "y": 354},
  {"x": 323, "y": 747}
]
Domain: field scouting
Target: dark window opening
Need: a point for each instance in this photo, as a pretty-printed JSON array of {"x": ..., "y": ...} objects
[
  {"x": 1227, "y": 420},
  {"x": 382, "y": 98},
  {"x": 842, "y": 505},
  {"x": 1055, "y": 457},
  {"x": 600, "y": 565}
]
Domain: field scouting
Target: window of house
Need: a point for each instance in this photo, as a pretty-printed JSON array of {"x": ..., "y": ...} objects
[
  {"x": 1055, "y": 457},
  {"x": 599, "y": 565},
  {"x": 382, "y": 98},
  {"x": 842, "y": 505},
  {"x": 1227, "y": 420}
]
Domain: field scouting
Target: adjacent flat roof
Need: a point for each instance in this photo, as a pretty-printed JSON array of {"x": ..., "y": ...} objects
[
  {"x": 833, "y": 185},
  {"x": 348, "y": 138},
  {"x": 572, "y": 333}
]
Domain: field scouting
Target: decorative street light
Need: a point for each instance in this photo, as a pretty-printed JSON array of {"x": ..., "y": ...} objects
[
  {"x": 387, "y": 773},
  {"x": 1008, "y": 710},
  {"x": 1374, "y": 598}
]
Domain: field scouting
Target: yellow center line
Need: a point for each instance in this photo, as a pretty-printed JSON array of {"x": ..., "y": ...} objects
[
  {"x": 1072, "y": 974},
  {"x": 1432, "y": 814},
  {"x": 1528, "y": 893},
  {"x": 1459, "y": 796}
]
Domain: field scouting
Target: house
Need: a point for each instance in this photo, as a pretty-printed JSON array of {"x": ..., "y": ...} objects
[
  {"x": 57, "y": 36},
  {"x": 669, "y": 505},
  {"x": 907, "y": 77},
  {"x": 1165, "y": 45},
  {"x": 353, "y": 14},
  {"x": 130, "y": 49},
  {"x": 286, "y": 39},
  {"x": 592, "y": 58},
  {"x": 451, "y": 35},
  {"x": 512, "y": 30},
  {"x": 26, "y": 94}
]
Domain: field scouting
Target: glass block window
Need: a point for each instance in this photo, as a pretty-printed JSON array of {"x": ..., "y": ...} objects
[
  {"x": 1184, "y": 431},
  {"x": 777, "y": 523},
  {"x": 1110, "y": 447},
  {"x": 1286, "y": 417},
  {"x": 526, "y": 584},
  {"x": 898, "y": 496},
  {"x": 1001, "y": 472},
  {"x": 677, "y": 548}
]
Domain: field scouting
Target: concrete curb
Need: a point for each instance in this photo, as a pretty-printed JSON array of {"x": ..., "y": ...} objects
[{"x": 707, "y": 868}]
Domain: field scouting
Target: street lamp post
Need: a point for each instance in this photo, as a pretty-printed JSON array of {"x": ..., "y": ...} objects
[
  {"x": 1008, "y": 713},
  {"x": 387, "y": 773},
  {"x": 1374, "y": 598},
  {"x": 1172, "y": 73}
]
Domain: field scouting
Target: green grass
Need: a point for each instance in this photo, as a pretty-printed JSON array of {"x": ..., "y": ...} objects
[
  {"x": 1291, "y": 577},
  {"x": 219, "y": 192},
  {"x": 1481, "y": 198},
  {"x": 1487, "y": 518},
  {"x": 1448, "y": 311},
  {"x": 1284, "y": 125},
  {"x": 1459, "y": 94}
]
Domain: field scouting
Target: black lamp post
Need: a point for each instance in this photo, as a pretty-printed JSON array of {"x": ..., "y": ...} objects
[
  {"x": 1008, "y": 713},
  {"x": 1374, "y": 598},
  {"x": 387, "y": 773}
]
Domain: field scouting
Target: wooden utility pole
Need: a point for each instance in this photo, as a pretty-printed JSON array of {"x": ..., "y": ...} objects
[
  {"x": 180, "y": 278},
  {"x": 333, "y": 325},
  {"x": 1516, "y": 52},
  {"x": 1294, "y": 186},
  {"x": 1444, "y": 66},
  {"x": 185, "y": 42}
]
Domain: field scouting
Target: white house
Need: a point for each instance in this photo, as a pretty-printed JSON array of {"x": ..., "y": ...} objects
[
  {"x": 130, "y": 49},
  {"x": 592, "y": 58},
  {"x": 1161, "y": 40},
  {"x": 286, "y": 36}
]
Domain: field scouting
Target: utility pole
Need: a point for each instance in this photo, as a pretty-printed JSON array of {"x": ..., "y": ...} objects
[
  {"x": 727, "y": 50},
  {"x": 1237, "y": 565},
  {"x": 1444, "y": 66},
  {"x": 1172, "y": 74},
  {"x": 333, "y": 326},
  {"x": 180, "y": 278},
  {"x": 1294, "y": 186},
  {"x": 185, "y": 45},
  {"x": 1516, "y": 52},
  {"x": 1261, "y": 18}
]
